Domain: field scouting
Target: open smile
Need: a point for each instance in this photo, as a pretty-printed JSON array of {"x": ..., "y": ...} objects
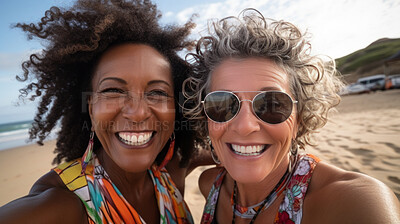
[
  {"x": 135, "y": 138},
  {"x": 248, "y": 150}
]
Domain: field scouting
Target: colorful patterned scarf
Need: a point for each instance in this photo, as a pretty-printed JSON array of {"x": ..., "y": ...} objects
[{"x": 104, "y": 203}]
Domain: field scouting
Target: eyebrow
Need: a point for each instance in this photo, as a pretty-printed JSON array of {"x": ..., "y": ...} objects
[
  {"x": 113, "y": 78},
  {"x": 269, "y": 88},
  {"x": 158, "y": 81},
  {"x": 124, "y": 82}
]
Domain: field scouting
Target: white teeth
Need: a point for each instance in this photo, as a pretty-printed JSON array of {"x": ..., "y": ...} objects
[
  {"x": 250, "y": 150},
  {"x": 135, "y": 138}
]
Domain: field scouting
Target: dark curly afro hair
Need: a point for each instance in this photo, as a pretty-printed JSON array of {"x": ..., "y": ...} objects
[{"x": 73, "y": 40}]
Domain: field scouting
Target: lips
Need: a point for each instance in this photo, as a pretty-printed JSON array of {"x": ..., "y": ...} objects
[
  {"x": 248, "y": 150},
  {"x": 135, "y": 138}
]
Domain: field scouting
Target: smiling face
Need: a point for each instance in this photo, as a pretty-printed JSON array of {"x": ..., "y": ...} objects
[
  {"x": 233, "y": 140},
  {"x": 132, "y": 108}
]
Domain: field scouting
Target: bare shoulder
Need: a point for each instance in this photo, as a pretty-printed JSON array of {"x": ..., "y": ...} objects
[
  {"x": 206, "y": 180},
  {"x": 48, "y": 200},
  {"x": 338, "y": 196},
  {"x": 47, "y": 181}
]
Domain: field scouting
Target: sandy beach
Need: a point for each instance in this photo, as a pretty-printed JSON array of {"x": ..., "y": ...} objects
[{"x": 364, "y": 136}]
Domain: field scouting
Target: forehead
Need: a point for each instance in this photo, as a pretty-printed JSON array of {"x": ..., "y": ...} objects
[
  {"x": 132, "y": 60},
  {"x": 250, "y": 74}
]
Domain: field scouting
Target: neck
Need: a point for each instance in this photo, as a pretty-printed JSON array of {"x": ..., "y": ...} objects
[
  {"x": 133, "y": 184},
  {"x": 249, "y": 194}
]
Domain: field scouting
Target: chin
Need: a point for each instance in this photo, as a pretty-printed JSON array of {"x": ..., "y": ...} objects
[{"x": 246, "y": 176}]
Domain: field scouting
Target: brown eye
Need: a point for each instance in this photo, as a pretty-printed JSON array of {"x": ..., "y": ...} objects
[
  {"x": 112, "y": 93},
  {"x": 111, "y": 90},
  {"x": 157, "y": 96}
]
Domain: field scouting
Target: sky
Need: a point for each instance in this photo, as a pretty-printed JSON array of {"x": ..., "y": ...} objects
[{"x": 337, "y": 28}]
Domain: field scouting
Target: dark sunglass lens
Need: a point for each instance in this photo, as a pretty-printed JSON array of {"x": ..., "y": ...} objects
[
  {"x": 273, "y": 107},
  {"x": 221, "y": 106}
]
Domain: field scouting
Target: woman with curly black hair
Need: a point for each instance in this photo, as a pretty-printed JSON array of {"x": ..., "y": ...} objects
[{"x": 108, "y": 75}]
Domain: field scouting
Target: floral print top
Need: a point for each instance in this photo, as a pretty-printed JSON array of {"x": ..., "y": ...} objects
[{"x": 291, "y": 208}]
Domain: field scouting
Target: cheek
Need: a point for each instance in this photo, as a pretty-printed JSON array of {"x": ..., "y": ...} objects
[
  {"x": 104, "y": 107},
  {"x": 292, "y": 125},
  {"x": 102, "y": 115},
  {"x": 216, "y": 131},
  {"x": 167, "y": 107},
  {"x": 165, "y": 118},
  {"x": 168, "y": 121},
  {"x": 285, "y": 131},
  {"x": 213, "y": 129}
]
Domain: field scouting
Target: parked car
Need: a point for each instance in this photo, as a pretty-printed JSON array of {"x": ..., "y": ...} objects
[
  {"x": 354, "y": 88},
  {"x": 373, "y": 82},
  {"x": 393, "y": 81}
]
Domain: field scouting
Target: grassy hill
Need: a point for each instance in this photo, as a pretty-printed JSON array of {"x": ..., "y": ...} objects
[{"x": 370, "y": 60}]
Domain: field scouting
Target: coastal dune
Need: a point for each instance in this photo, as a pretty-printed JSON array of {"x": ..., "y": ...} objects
[{"x": 363, "y": 136}]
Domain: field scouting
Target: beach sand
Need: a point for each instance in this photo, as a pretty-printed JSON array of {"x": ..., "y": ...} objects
[
  {"x": 20, "y": 167},
  {"x": 364, "y": 136}
]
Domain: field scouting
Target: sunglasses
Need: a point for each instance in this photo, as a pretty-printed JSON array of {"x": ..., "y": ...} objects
[{"x": 272, "y": 107}]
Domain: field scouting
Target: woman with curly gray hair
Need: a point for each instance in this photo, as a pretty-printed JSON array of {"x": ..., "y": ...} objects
[{"x": 258, "y": 95}]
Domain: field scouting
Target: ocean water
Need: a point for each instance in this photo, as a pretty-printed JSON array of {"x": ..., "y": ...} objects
[
  {"x": 17, "y": 134},
  {"x": 14, "y": 134}
]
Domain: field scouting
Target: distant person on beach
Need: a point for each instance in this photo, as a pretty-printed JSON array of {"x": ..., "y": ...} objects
[
  {"x": 258, "y": 94},
  {"x": 109, "y": 76}
]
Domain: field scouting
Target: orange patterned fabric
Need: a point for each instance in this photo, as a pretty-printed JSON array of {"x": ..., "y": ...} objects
[{"x": 104, "y": 202}]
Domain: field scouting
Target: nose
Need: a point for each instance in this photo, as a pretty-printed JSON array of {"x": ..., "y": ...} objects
[
  {"x": 245, "y": 121},
  {"x": 136, "y": 109}
]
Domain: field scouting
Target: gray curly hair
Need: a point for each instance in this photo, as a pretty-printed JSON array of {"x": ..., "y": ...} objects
[{"x": 313, "y": 80}]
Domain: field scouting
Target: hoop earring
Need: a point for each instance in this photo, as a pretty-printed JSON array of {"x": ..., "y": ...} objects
[
  {"x": 170, "y": 152},
  {"x": 294, "y": 150},
  {"x": 87, "y": 157},
  {"x": 214, "y": 156}
]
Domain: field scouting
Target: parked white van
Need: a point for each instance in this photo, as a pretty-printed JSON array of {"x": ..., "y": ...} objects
[{"x": 373, "y": 82}]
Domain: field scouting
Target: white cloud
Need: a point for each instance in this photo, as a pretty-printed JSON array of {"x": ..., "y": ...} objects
[
  {"x": 338, "y": 27},
  {"x": 169, "y": 14}
]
